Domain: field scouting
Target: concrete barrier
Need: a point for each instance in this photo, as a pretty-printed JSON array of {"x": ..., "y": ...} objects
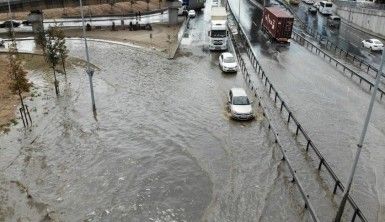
[{"x": 373, "y": 20}]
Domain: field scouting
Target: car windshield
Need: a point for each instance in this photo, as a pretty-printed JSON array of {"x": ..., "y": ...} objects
[
  {"x": 377, "y": 41},
  {"x": 218, "y": 33},
  {"x": 241, "y": 100},
  {"x": 229, "y": 59}
]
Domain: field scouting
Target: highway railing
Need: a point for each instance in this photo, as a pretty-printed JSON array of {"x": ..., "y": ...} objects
[
  {"x": 357, "y": 61},
  {"x": 315, "y": 49},
  {"x": 370, "y": 69},
  {"x": 292, "y": 122}
]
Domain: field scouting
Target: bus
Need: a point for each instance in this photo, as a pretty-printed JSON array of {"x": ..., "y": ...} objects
[{"x": 325, "y": 8}]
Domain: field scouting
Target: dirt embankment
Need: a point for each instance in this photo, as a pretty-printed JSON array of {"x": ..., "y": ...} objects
[
  {"x": 120, "y": 8},
  {"x": 161, "y": 37},
  {"x": 8, "y": 101}
]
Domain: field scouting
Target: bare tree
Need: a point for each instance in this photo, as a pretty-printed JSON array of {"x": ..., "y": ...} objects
[
  {"x": 62, "y": 48},
  {"x": 19, "y": 82},
  {"x": 112, "y": 3},
  {"x": 52, "y": 54}
]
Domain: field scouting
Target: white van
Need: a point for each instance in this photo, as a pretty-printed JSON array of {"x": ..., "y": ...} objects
[{"x": 325, "y": 8}]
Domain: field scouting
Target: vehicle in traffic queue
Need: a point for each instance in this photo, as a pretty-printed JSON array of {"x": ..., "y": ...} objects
[
  {"x": 325, "y": 8},
  {"x": 316, "y": 5},
  {"x": 277, "y": 22},
  {"x": 218, "y": 33},
  {"x": 293, "y": 2},
  {"x": 227, "y": 62},
  {"x": 312, "y": 10},
  {"x": 373, "y": 44},
  {"x": 192, "y": 13},
  {"x": 239, "y": 104},
  {"x": 333, "y": 21}
]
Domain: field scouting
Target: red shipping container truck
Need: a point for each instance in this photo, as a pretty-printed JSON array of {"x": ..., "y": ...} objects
[{"x": 278, "y": 23}]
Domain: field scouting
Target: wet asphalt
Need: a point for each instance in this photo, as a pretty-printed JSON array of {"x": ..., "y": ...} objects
[
  {"x": 162, "y": 146},
  {"x": 330, "y": 106}
]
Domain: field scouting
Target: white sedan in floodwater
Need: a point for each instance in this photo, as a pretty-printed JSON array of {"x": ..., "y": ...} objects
[
  {"x": 239, "y": 104},
  {"x": 227, "y": 62},
  {"x": 373, "y": 44}
]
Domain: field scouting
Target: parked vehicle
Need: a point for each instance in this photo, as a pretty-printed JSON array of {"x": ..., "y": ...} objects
[
  {"x": 293, "y": 2},
  {"x": 192, "y": 13},
  {"x": 334, "y": 21},
  {"x": 316, "y": 5},
  {"x": 325, "y": 8},
  {"x": 240, "y": 105},
  {"x": 309, "y": 2},
  {"x": 7, "y": 24},
  {"x": 227, "y": 62},
  {"x": 373, "y": 44},
  {"x": 218, "y": 34},
  {"x": 312, "y": 10},
  {"x": 182, "y": 9},
  {"x": 278, "y": 23},
  {"x": 194, "y": 4}
]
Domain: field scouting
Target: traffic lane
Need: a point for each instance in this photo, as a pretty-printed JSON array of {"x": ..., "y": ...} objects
[
  {"x": 345, "y": 37},
  {"x": 245, "y": 193},
  {"x": 331, "y": 108}
]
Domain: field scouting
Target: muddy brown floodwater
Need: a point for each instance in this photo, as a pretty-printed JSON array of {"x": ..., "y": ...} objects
[{"x": 162, "y": 148}]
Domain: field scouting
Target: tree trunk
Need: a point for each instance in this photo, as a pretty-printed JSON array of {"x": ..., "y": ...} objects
[
  {"x": 64, "y": 66},
  {"x": 56, "y": 85}
]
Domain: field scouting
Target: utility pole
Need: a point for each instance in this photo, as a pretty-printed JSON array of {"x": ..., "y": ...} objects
[
  {"x": 239, "y": 11},
  {"x": 89, "y": 71},
  {"x": 10, "y": 17},
  {"x": 359, "y": 146}
]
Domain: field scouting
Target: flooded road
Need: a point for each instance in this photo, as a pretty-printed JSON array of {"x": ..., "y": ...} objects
[
  {"x": 162, "y": 148},
  {"x": 331, "y": 107}
]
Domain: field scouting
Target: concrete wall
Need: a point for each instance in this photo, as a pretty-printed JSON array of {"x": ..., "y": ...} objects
[{"x": 370, "y": 19}]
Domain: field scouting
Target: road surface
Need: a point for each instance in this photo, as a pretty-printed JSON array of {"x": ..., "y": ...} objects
[{"x": 330, "y": 107}]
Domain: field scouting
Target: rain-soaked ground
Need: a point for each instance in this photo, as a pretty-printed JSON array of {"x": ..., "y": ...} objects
[
  {"x": 162, "y": 146},
  {"x": 331, "y": 107}
]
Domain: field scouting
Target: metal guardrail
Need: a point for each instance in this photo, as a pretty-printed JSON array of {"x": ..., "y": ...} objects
[
  {"x": 274, "y": 95},
  {"x": 348, "y": 56},
  {"x": 301, "y": 40},
  {"x": 332, "y": 46}
]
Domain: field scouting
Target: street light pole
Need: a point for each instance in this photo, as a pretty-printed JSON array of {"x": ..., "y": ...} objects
[
  {"x": 89, "y": 71},
  {"x": 10, "y": 17},
  {"x": 239, "y": 10},
  {"x": 359, "y": 146}
]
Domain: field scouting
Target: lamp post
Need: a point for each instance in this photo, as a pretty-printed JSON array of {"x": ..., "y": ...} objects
[
  {"x": 239, "y": 10},
  {"x": 359, "y": 146},
  {"x": 89, "y": 71}
]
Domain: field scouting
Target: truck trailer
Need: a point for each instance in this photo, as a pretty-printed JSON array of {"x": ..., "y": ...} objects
[
  {"x": 278, "y": 23},
  {"x": 194, "y": 4},
  {"x": 218, "y": 34}
]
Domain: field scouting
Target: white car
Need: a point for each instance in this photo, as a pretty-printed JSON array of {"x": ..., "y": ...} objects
[
  {"x": 227, "y": 62},
  {"x": 192, "y": 13},
  {"x": 240, "y": 105},
  {"x": 309, "y": 2},
  {"x": 373, "y": 44},
  {"x": 215, "y": 3},
  {"x": 316, "y": 5}
]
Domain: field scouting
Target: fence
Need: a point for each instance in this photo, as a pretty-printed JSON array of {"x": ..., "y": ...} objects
[
  {"x": 301, "y": 40},
  {"x": 291, "y": 119}
]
